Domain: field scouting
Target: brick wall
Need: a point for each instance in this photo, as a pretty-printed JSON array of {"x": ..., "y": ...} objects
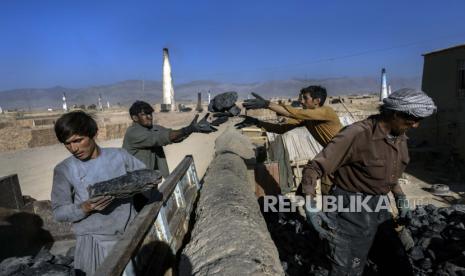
[
  {"x": 112, "y": 131},
  {"x": 42, "y": 137},
  {"x": 44, "y": 122},
  {"x": 25, "y": 123},
  {"x": 45, "y": 136}
]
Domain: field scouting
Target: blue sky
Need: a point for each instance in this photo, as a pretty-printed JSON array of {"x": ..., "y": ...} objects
[{"x": 82, "y": 43}]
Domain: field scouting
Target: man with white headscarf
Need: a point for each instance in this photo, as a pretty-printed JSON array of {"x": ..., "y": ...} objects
[{"x": 366, "y": 158}]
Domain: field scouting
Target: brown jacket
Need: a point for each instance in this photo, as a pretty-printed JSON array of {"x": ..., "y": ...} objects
[
  {"x": 361, "y": 159},
  {"x": 322, "y": 123}
]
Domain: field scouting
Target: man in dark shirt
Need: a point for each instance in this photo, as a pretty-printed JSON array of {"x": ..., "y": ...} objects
[
  {"x": 366, "y": 159},
  {"x": 145, "y": 140}
]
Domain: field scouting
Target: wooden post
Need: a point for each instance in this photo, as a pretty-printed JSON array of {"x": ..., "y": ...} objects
[{"x": 10, "y": 195}]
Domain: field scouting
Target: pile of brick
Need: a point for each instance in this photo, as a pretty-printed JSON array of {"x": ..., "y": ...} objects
[
  {"x": 300, "y": 249},
  {"x": 435, "y": 240},
  {"x": 14, "y": 138},
  {"x": 43, "y": 263}
]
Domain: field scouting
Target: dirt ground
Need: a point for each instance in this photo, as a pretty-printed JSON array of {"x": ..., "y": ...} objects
[{"x": 34, "y": 166}]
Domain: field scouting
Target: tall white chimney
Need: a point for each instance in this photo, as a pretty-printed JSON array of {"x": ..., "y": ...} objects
[
  {"x": 389, "y": 90},
  {"x": 1, "y": 110},
  {"x": 168, "y": 90},
  {"x": 65, "y": 106},
  {"x": 384, "y": 90},
  {"x": 209, "y": 96},
  {"x": 100, "y": 106}
]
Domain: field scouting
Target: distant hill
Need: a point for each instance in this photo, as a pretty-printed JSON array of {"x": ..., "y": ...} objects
[{"x": 126, "y": 92}]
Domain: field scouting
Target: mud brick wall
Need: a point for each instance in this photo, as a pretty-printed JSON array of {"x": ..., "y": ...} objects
[
  {"x": 44, "y": 122},
  {"x": 14, "y": 138},
  {"x": 25, "y": 123},
  {"x": 6, "y": 124},
  {"x": 112, "y": 131},
  {"x": 45, "y": 136},
  {"x": 42, "y": 137}
]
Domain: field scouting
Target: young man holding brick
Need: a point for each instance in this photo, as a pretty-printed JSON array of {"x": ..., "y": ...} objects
[{"x": 99, "y": 222}]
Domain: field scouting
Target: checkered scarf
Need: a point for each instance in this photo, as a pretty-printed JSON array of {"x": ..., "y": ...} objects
[{"x": 410, "y": 101}]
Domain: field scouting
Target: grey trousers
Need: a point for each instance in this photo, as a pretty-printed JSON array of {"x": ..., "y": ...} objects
[
  {"x": 90, "y": 252},
  {"x": 354, "y": 233}
]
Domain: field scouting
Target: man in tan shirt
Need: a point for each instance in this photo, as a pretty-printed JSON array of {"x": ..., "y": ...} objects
[
  {"x": 366, "y": 158},
  {"x": 321, "y": 121}
]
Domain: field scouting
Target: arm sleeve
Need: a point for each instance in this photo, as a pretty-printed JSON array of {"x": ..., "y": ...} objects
[
  {"x": 63, "y": 206},
  {"x": 333, "y": 156},
  {"x": 142, "y": 138},
  {"x": 337, "y": 152},
  {"x": 280, "y": 128},
  {"x": 131, "y": 163},
  {"x": 317, "y": 114}
]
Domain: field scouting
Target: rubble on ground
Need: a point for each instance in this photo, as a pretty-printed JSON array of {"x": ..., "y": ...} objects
[
  {"x": 434, "y": 239},
  {"x": 43, "y": 263},
  {"x": 300, "y": 249}
]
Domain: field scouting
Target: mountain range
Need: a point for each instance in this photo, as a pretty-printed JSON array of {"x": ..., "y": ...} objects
[{"x": 126, "y": 92}]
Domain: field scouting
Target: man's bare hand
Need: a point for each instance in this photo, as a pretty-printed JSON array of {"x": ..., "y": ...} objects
[{"x": 96, "y": 204}]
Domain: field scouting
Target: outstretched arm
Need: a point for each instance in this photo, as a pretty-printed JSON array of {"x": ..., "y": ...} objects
[
  {"x": 160, "y": 136},
  {"x": 270, "y": 127},
  {"x": 202, "y": 126},
  {"x": 178, "y": 135},
  {"x": 279, "y": 128},
  {"x": 279, "y": 109},
  {"x": 260, "y": 102},
  {"x": 318, "y": 114}
]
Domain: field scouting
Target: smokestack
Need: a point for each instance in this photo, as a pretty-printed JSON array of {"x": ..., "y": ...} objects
[
  {"x": 384, "y": 90},
  {"x": 65, "y": 106},
  {"x": 100, "y": 106},
  {"x": 1, "y": 110},
  {"x": 199, "y": 107},
  {"x": 168, "y": 90},
  {"x": 209, "y": 96},
  {"x": 389, "y": 90}
]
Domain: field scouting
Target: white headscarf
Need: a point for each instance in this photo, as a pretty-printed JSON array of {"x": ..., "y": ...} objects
[{"x": 410, "y": 101}]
